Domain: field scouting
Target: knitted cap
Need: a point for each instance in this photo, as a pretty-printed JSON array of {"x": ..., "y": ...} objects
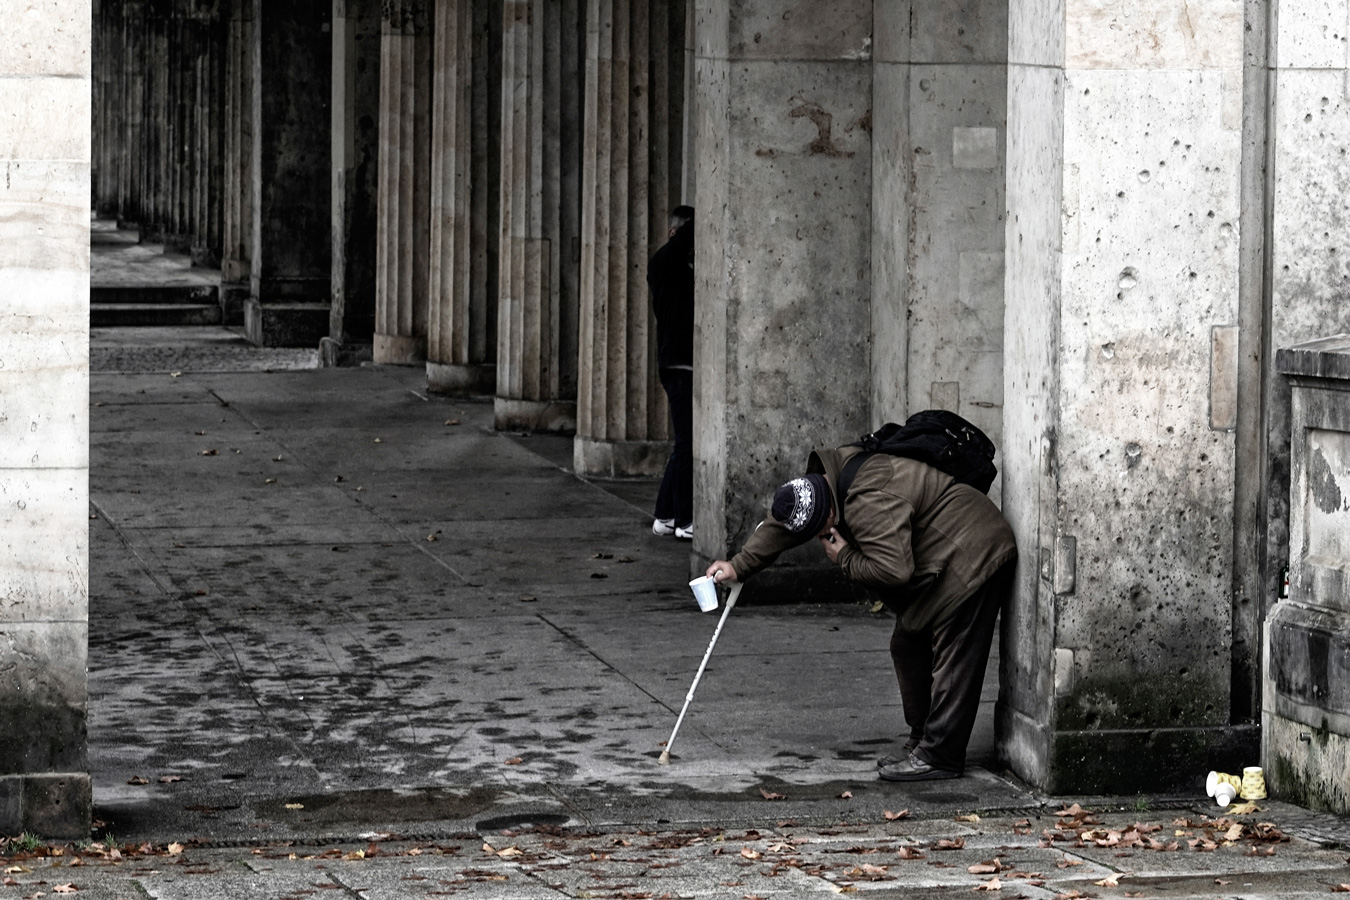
[{"x": 803, "y": 505}]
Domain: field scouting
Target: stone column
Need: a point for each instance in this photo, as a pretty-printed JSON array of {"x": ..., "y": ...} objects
[
  {"x": 291, "y": 256},
  {"x": 208, "y": 134},
  {"x": 462, "y": 324},
  {"x": 131, "y": 76},
  {"x": 44, "y": 423},
  {"x": 937, "y": 212},
  {"x": 356, "y": 153},
  {"x": 237, "y": 164},
  {"x": 782, "y": 249},
  {"x": 630, "y": 182},
  {"x": 401, "y": 267},
  {"x": 1121, "y": 373},
  {"x": 540, "y": 216},
  {"x": 154, "y": 202},
  {"x": 108, "y": 60},
  {"x": 180, "y": 122}
]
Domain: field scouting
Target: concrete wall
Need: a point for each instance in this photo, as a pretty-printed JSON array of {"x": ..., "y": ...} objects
[
  {"x": 783, "y": 249},
  {"x": 1124, "y": 156},
  {"x": 44, "y": 420},
  {"x": 938, "y": 133}
]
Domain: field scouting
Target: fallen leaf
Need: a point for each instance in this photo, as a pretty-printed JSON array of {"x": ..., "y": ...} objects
[
  {"x": 892, "y": 816},
  {"x": 211, "y": 452},
  {"x": 339, "y": 478},
  {"x": 9, "y": 882},
  {"x": 1221, "y": 881},
  {"x": 1260, "y": 851},
  {"x": 174, "y": 849},
  {"x": 908, "y": 853},
  {"x": 526, "y": 598},
  {"x": 750, "y": 853},
  {"x": 950, "y": 844},
  {"x": 452, "y": 421},
  {"x": 137, "y": 779},
  {"x": 1340, "y": 889},
  {"x": 1072, "y": 812},
  {"x": 508, "y": 852},
  {"x": 432, "y": 537},
  {"x": 1110, "y": 880},
  {"x": 870, "y": 869},
  {"x": 877, "y": 607},
  {"x": 169, "y": 779},
  {"x": 270, "y": 481},
  {"x": 601, "y": 555},
  {"x": 65, "y": 889},
  {"x": 993, "y": 884},
  {"x": 972, "y": 818},
  {"x": 1233, "y": 833},
  {"x": 1066, "y": 863},
  {"x": 599, "y": 575},
  {"x": 1243, "y": 809},
  {"x": 514, "y": 761},
  {"x": 846, "y": 795},
  {"x": 770, "y": 795},
  {"x": 277, "y": 458},
  {"x": 171, "y": 375},
  {"x": 295, "y": 806},
  {"x": 379, "y": 440}
]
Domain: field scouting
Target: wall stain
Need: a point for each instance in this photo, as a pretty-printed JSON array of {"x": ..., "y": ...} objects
[
  {"x": 824, "y": 144},
  {"x": 1322, "y": 484}
]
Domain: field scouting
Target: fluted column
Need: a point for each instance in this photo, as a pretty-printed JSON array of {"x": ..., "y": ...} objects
[
  {"x": 540, "y": 183},
  {"x": 237, "y": 165},
  {"x": 628, "y": 187},
  {"x": 131, "y": 78},
  {"x": 461, "y": 327},
  {"x": 356, "y": 157},
  {"x": 401, "y": 294},
  {"x": 207, "y": 135}
]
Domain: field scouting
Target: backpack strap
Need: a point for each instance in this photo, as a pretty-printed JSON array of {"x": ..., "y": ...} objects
[{"x": 841, "y": 486}]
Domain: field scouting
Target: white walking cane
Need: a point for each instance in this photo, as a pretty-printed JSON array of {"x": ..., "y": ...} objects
[{"x": 731, "y": 601}]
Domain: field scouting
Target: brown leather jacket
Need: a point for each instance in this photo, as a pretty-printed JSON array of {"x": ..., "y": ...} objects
[{"x": 924, "y": 542}]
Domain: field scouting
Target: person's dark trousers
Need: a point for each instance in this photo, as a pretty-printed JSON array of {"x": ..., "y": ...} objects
[
  {"x": 941, "y": 673},
  {"x": 675, "y": 499}
]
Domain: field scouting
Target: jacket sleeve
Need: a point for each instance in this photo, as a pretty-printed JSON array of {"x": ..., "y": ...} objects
[
  {"x": 880, "y": 523},
  {"x": 762, "y": 548}
]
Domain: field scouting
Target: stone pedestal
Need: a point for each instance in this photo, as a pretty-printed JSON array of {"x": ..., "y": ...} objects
[
  {"x": 403, "y": 239},
  {"x": 1120, "y": 392},
  {"x": 630, "y": 182},
  {"x": 291, "y": 255},
  {"x": 782, "y": 253},
  {"x": 462, "y": 320},
  {"x": 355, "y": 186},
  {"x": 1306, "y": 707},
  {"x": 540, "y": 216},
  {"x": 44, "y": 423}
]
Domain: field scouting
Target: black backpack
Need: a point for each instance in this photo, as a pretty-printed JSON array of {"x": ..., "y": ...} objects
[{"x": 938, "y": 437}]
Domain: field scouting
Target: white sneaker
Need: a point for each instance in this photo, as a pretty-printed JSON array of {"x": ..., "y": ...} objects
[
  {"x": 663, "y": 526},
  {"x": 685, "y": 534}
]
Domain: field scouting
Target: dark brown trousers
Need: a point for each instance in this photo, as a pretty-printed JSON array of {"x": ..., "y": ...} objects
[{"x": 941, "y": 673}]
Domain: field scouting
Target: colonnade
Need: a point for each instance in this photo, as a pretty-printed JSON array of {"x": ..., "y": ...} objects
[{"x": 473, "y": 186}]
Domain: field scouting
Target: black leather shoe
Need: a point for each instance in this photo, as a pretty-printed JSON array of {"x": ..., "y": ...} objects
[
  {"x": 914, "y": 769},
  {"x": 889, "y": 760}
]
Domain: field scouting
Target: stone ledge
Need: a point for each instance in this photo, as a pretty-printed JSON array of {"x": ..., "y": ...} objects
[
  {"x": 461, "y": 380},
  {"x": 619, "y": 459},
  {"x": 285, "y": 324},
  {"x": 1327, "y": 357},
  {"x": 55, "y": 805}
]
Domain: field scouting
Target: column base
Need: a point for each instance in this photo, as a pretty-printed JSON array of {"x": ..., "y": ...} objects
[
  {"x": 534, "y": 415},
  {"x": 335, "y": 354},
  {"x": 619, "y": 459},
  {"x": 285, "y": 324},
  {"x": 399, "y": 350},
  {"x": 233, "y": 299},
  {"x": 461, "y": 380},
  {"x": 51, "y": 805},
  {"x": 1306, "y": 766},
  {"x": 1122, "y": 761}
]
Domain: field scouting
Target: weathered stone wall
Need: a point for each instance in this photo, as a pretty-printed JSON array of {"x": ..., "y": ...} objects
[
  {"x": 938, "y": 137},
  {"x": 44, "y": 420},
  {"x": 783, "y": 249},
  {"x": 1123, "y": 160}
]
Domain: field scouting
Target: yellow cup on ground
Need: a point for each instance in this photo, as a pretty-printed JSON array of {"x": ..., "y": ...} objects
[
  {"x": 1253, "y": 784},
  {"x": 1217, "y": 778}
]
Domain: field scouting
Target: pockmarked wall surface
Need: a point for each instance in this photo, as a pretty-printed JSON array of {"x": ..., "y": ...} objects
[
  {"x": 44, "y": 426},
  {"x": 1123, "y": 170}
]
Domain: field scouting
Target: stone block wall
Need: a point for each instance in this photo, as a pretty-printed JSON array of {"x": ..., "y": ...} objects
[{"x": 44, "y": 425}]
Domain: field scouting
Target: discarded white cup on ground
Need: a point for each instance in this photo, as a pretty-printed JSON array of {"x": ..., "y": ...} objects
[
  {"x": 705, "y": 592},
  {"x": 1224, "y": 793}
]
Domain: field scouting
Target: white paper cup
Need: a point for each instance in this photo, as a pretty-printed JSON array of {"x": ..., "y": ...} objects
[
  {"x": 1224, "y": 793},
  {"x": 705, "y": 592}
]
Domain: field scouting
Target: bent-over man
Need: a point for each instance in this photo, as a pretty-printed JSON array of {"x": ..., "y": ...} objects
[{"x": 938, "y": 552}]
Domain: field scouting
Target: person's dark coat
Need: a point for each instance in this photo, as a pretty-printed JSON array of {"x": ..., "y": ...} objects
[{"x": 670, "y": 275}]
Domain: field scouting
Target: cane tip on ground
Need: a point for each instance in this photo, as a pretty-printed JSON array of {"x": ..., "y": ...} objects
[{"x": 664, "y": 758}]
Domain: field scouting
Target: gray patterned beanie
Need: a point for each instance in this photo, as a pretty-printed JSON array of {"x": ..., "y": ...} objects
[{"x": 803, "y": 505}]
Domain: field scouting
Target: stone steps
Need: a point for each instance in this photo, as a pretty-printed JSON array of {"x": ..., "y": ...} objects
[
  {"x": 105, "y": 315},
  {"x": 154, "y": 294}
]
